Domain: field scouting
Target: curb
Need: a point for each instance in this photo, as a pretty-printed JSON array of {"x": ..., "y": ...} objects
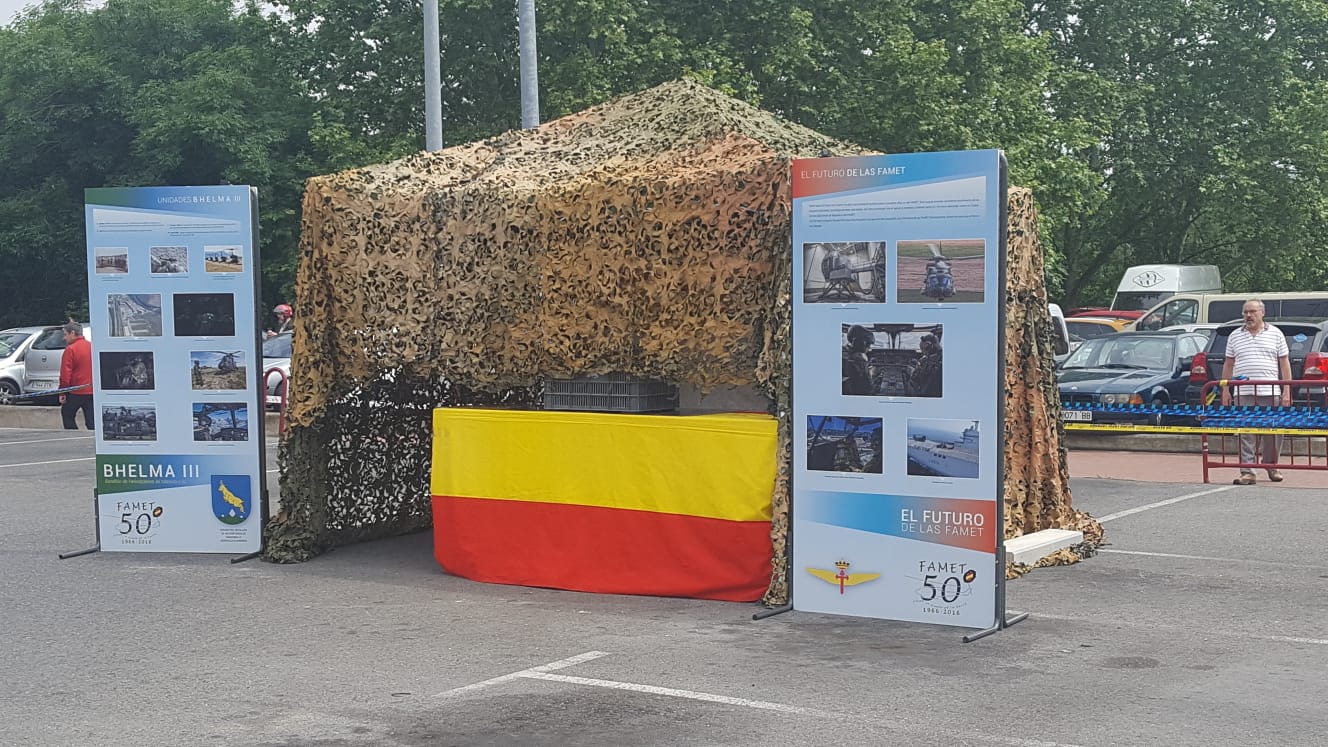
[{"x": 1163, "y": 443}]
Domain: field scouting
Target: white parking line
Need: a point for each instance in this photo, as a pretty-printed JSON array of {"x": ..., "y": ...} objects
[
  {"x": 1208, "y": 559},
  {"x": 1185, "y": 630},
  {"x": 673, "y": 693},
  {"x": 552, "y": 666},
  {"x": 1159, "y": 504},
  {"x": 45, "y": 440},
  {"x": 543, "y": 672},
  {"x": 54, "y": 461}
]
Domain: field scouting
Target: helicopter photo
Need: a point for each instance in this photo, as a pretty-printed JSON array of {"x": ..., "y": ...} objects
[
  {"x": 843, "y": 272},
  {"x": 951, "y": 271},
  {"x": 844, "y": 444},
  {"x": 221, "y": 421},
  {"x": 891, "y": 360},
  {"x": 217, "y": 369}
]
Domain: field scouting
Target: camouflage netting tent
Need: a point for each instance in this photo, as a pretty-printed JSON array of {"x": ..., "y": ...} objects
[{"x": 648, "y": 236}]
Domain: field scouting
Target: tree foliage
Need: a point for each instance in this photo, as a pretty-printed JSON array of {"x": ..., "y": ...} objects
[
  {"x": 1150, "y": 130},
  {"x": 138, "y": 92}
]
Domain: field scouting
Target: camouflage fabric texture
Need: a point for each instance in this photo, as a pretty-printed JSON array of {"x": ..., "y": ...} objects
[{"x": 648, "y": 236}]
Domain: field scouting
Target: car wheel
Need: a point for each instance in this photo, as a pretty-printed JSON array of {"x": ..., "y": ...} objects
[{"x": 8, "y": 390}]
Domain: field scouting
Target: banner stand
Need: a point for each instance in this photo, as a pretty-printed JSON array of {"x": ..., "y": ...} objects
[
  {"x": 896, "y": 490},
  {"x": 267, "y": 519},
  {"x": 1003, "y": 617},
  {"x": 96, "y": 525}
]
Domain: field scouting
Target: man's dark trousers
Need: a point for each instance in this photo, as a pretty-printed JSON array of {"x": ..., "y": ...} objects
[{"x": 74, "y": 403}]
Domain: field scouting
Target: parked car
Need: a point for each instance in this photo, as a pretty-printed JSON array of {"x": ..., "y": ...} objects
[
  {"x": 14, "y": 345},
  {"x": 1127, "y": 368},
  {"x": 44, "y": 357},
  {"x": 276, "y": 354},
  {"x": 1307, "y": 348},
  {"x": 1204, "y": 329},
  {"x": 1086, "y": 328}
]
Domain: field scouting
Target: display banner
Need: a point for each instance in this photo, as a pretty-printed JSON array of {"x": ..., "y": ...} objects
[
  {"x": 898, "y": 262},
  {"x": 176, "y": 368}
]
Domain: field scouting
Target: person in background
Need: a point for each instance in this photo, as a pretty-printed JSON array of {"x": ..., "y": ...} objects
[
  {"x": 285, "y": 318},
  {"x": 76, "y": 370},
  {"x": 1258, "y": 351}
]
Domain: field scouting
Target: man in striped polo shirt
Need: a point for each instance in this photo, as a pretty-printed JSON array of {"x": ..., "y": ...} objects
[{"x": 1258, "y": 351}]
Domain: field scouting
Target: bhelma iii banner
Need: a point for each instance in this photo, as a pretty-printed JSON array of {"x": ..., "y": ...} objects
[{"x": 177, "y": 367}]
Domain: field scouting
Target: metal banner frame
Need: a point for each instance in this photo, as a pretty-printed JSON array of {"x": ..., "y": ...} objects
[
  {"x": 898, "y": 470},
  {"x": 173, "y": 291}
]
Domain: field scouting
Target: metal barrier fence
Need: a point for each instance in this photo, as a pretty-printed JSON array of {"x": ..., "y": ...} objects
[
  {"x": 280, "y": 396},
  {"x": 1292, "y": 432},
  {"x": 1302, "y": 426}
]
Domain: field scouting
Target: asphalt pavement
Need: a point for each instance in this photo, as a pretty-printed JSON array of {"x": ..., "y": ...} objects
[{"x": 1201, "y": 623}]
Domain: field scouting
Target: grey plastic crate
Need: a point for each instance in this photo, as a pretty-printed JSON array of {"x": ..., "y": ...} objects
[{"x": 610, "y": 393}]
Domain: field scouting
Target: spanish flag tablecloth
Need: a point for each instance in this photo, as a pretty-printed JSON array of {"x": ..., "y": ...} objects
[{"x": 609, "y": 503}]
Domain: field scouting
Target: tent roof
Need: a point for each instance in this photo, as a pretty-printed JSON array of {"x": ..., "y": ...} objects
[{"x": 659, "y": 123}]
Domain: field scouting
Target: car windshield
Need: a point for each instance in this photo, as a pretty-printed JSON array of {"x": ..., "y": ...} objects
[
  {"x": 277, "y": 347},
  {"x": 9, "y": 342},
  {"x": 1139, "y": 300},
  {"x": 1124, "y": 352},
  {"x": 1089, "y": 330}
]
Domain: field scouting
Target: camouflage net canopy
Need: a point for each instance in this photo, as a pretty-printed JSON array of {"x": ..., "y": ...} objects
[{"x": 648, "y": 236}]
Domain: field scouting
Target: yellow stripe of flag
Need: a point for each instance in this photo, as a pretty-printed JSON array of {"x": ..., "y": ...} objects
[{"x": 715, "y": 466}]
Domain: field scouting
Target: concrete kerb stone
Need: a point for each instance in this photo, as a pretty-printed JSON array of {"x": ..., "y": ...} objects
[
  {"x": 1170, "y": 443},
  {"x": 1166, "y": 443}
]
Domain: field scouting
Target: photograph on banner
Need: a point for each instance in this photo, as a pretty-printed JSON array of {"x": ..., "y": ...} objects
[
  {"x": 844, "y": 444},
  {"x": 128, "y": 370},
  {"x": 169, "y": 260},
  {"x": 950, "y": 270},
  {"x": 137, "y": 422},
  {"x": 217, "y": 370},
  {"x": 227, "y": 258},
  {"x": 204, "y": 314},
  {"x": 112, "y": 260},
  {"x": 843, "y": 272},
  {"x": 891, "y": 360},
  {"x": 134, "y": 314},
  {"x": 221, "y": 421},
  {"x": 943, "y": 448}
]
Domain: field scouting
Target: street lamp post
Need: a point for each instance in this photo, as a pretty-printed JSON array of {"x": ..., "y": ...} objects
[
  {"x": 529, "y": 65},
  {"x": 433, "y": 93}
]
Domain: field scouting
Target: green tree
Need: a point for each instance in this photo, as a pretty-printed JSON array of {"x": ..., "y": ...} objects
[
  {"x": 1212, "y": 148},
  {"x": 139, "y": 92}
]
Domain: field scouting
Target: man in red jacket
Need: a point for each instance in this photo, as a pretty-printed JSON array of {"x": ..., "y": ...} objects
[{"x": 76, "y": 370}]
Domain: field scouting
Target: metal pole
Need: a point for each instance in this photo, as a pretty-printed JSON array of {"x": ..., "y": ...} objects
[
  {"x": 529, "y": 65},
  {"x": 433, "y": 93}
]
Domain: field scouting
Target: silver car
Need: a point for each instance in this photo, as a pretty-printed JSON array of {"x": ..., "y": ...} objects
[
  {"x": 14, "y": 346},
  {"x": 44, "y": 357},
  {"x": 276, "y": 355}
]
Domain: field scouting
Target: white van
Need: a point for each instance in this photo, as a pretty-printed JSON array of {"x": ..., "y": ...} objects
[
  {"x": 1217, "y": 308},
  {"x": 1145, "y": 286}
]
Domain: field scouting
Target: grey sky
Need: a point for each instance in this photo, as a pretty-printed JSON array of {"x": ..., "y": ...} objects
[{"x": 10, "y": 8}]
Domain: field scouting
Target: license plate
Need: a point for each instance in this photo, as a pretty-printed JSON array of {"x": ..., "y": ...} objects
[
  {"x": 1079, "y": 415},
  {"x": 41, "y": 385}
]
